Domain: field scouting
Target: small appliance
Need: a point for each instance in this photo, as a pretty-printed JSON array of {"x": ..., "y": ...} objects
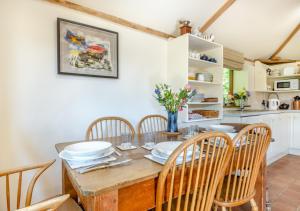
[
  {"x": 273, "y": 104},
  {"x": 291, "y": 84}
]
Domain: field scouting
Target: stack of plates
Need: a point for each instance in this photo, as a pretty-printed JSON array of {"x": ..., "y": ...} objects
[
  {"x": 86, "y": 151},
  {"x": 163, "y": 150}
]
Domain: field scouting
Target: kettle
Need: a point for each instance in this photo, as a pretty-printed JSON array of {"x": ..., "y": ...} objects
[{"x": 273, "y": 104}]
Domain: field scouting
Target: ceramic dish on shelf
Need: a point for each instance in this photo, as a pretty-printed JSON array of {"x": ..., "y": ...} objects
[
  {"x": 87, "y": 148},
  {"x": 66, "y": 156}
]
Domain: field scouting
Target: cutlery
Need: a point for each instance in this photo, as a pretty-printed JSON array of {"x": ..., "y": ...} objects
[
  {"x": 97, "y": 167},
  {"x": 117, "y": 153}
]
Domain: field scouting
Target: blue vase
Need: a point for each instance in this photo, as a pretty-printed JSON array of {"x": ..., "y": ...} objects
[{"x": 172, "y": 122}]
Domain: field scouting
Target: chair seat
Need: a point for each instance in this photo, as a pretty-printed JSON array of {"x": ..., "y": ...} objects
[{"x": 70, "y": 205}]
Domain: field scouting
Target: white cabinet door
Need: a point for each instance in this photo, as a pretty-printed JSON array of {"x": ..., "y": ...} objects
[
  {"x": 295, "y": 143},
  {"x": 260, "y": 77},
  {"x": 281, "y": 127}
]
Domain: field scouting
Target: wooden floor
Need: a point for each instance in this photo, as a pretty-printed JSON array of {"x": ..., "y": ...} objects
[{"x": 283, "y": 179}]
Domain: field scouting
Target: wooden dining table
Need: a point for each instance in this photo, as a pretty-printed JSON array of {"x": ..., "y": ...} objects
[{"x": 130, "y": 186}]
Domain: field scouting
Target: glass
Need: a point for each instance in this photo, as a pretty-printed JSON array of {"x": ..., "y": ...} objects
[
  {"x": 192, "y": 130},
  {"x": 149, "y": 140},
  {"x": 126, "y": 141}
]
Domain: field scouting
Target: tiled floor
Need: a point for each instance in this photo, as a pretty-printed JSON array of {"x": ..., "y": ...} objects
[{"x": 283, "y": 179}]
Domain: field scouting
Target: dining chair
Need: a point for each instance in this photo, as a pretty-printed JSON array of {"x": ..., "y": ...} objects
[
  {"x": 152, "y": 123},
  {"x": 238, "y": 187},
  {"x": 40, "y": 169},
  {"x": 107, "y": 127},
  {"x": 192, "y": 184},
  {"x": 49, "y": 205}
]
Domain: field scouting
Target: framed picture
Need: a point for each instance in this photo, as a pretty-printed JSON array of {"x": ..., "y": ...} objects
[{"x": 86, "y": 50}]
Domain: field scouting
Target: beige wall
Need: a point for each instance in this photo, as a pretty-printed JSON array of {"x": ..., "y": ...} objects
[{"x": 39, "y": 108}]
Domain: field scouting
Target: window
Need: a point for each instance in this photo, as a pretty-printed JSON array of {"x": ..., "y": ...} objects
[{"x": 227, "y": 83}]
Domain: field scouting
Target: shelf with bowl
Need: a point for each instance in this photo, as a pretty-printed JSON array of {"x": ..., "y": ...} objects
[
  {"x": 181, "y": 66},
  {"x": 203, "y": 119},
  {"x": 196, "y": 82},
  {"x": 201, "y": 63},
  {"x": 204, "y": 103}
]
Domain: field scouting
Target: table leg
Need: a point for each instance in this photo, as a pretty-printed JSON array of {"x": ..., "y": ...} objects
[
  {"x": 67, "y": 187},
  {"x": 103, "y": 202}
]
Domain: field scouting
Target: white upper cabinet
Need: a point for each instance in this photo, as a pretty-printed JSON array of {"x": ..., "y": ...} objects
[{"x": 260, "y": 77}]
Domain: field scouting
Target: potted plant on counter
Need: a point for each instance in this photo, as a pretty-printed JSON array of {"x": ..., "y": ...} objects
[
  {"x": 241, "y": 97},
  {"x": 173, "y": 102}
]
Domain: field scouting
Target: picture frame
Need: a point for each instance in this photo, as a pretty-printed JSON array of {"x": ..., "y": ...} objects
[{"x": 86, "y": 50}]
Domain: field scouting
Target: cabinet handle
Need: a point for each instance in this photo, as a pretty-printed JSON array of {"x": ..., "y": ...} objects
[{"x": 272, "y": 139}]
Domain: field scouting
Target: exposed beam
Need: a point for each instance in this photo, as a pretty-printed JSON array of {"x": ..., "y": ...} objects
[
  {"x": 291, "y": 35},
  {"x": 216, "y": 15},
  {"x": 111, "y": 18}
]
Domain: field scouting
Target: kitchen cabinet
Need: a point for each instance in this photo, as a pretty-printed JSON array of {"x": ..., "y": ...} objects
[
  {"x": 280, "y": 125},
  {"x": 260, "y": 76},
  {"x": 295, "y": 139}
]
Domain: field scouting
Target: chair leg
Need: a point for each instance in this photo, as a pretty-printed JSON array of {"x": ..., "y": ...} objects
[
  {"x": 215, "y": 207},
  {"x": 253, "y": 205},
  {"x": 224, "y": 209}
]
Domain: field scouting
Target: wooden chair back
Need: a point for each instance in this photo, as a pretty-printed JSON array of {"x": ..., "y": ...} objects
[
  {"x": 48, "y": 205},
  {"x": 107, "y": 127},
  {"x": 250, "y": 147},
  {"x": 152, "y": 123},
  {"x": 193, "y": 183},
  {"x": 40, "y": 168}
]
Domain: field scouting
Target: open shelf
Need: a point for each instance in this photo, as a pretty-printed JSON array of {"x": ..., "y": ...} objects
[
  {"x": 203, "y": 82},
  {"x": 201, "y": 44},
  {"x": 201, "y": 63},
  {"x": 283, "y": 91},
  {"x": 202, "y": 120},
  {"x": 204, "y": 103},
  {"x": 283, "y": 76}
]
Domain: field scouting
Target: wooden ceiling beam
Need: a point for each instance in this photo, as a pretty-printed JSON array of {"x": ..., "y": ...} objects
[
  {"x": 286, "y": 41},
  {"x": 216, "y": 15},
  {"x": 111, "y": 18}
]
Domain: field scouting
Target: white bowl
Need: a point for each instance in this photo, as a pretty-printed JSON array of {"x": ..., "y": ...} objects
[
  {"x": 66, "y": 156},
  {"x": 88, "y": 148},
  {"x": 221, "y": 128}
]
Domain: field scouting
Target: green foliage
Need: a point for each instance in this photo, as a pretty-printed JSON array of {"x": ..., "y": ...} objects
[{"x": 170, "y": 100}]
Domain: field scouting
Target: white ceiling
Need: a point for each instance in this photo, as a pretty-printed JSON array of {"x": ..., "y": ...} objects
[{"x": 254, "y": 27}]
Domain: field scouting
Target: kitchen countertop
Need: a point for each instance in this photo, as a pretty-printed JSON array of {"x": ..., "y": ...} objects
[{"x": 254, "y": 112}]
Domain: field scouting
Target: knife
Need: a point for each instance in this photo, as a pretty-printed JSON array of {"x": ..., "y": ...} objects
[{"x": 97, "y": 167}]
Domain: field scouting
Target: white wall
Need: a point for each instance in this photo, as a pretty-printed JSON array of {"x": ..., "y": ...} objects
[{"x": 39, "y": 108}]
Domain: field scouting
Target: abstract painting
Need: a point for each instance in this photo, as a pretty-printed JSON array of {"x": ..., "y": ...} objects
[{"x": 86, "y": 50}]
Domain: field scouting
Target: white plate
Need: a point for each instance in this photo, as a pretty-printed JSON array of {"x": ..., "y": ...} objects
[
  {"x": 66, "y": 156},
  {"x": 87, "y": 148},
  {"x": 221, "y": 128},
  {"x": 156, "y": 154},
  {"x": 168, "y": 147}
]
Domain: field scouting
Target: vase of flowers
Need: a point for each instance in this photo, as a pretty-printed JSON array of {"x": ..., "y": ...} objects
[
  {"x": 173, "y": 102},
  {"x": 241, "y": 98}
]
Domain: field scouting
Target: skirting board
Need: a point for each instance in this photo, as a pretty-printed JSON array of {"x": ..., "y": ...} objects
[
  {"x": 277, "y": 157},
  {"x": 294, "y": 151}
]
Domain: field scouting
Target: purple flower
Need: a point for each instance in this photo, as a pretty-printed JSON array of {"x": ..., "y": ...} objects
[{"x": 157, "y": 91}]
